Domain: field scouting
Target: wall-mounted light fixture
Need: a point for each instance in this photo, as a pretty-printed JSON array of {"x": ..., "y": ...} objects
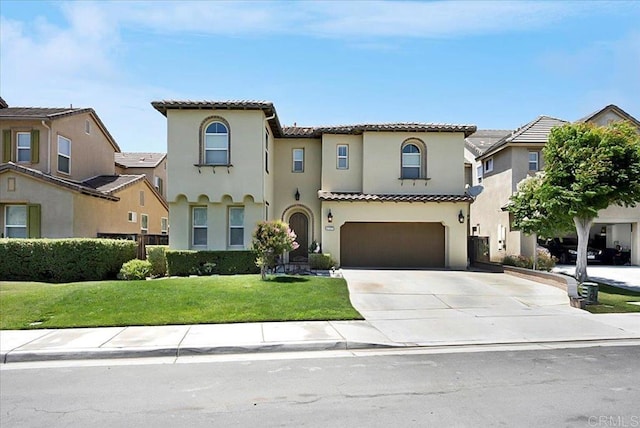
[
  {"x": 461, "y": 217},
  {"x": 330, "y": 217},
  {"x": 297, "y": 195}
]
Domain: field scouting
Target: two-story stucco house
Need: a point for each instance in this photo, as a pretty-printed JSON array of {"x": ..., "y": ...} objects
[
  {"x": 386, "y": 195},
  {"x": 501, "y": 165},
  {"x": 58, "y": 179}
]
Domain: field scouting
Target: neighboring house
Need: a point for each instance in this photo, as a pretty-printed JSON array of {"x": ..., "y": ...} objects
[
  {"x": 152, "y": 165},
  {"x": 58, "y": 179},
  {"x": 385, "y": 195},
  {"x": 517, "y": 155}
]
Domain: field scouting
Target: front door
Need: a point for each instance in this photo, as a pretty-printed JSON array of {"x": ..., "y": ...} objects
[{"x": 299, "y": 223}]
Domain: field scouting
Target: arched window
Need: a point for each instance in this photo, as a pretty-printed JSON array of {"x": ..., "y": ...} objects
[
  {"x": 411, "y": 161},
  {"x": 216, "y": 144}
]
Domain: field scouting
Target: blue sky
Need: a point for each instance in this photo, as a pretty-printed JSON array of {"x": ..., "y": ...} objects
[{"x": 497, "y": 65}]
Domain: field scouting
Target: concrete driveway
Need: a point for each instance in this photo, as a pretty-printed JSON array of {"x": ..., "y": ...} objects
[
  {"x": 618, "y": 276},
  {"x": 460, "y": 307}
]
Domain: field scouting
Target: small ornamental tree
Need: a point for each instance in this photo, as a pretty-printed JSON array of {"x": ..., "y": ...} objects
[
  {"x": 588, "y": 168},
  {"x": 270, "y": 240}
]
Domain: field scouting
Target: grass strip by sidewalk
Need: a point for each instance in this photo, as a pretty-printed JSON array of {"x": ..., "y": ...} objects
[
  {"x": 201, "y": 300},
  {"x": 614, "y": 300}
]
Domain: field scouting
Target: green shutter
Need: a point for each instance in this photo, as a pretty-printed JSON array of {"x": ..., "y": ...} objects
[
  {"x": 35, "y": 146},
  {"x": 33, "y": 221},
  {"x": 6, "y": 145}
]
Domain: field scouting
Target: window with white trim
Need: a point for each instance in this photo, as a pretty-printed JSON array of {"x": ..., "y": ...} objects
[
  {"x": 199, "y": 226},
  {"x": 132, "y": 217},
  {"x": 159, "y": 185},
  {"x": 479, "y": 173},
  {"x": 216, "y": 144},
  {"x": 236, "y": 226},
  {"x": 144, "y": 223},
  {"x": 15, "y": 221},
  {"x": 87, "y": 126},
  {"x": 298, "y": 160},
  {"x": 411, "y": 161},
  {"x": 64, "y": 155},
  {"x": 24, "y": 146},
  {"x": 342, "y": 161},
  {"x": 488, "y": 165},
  {"x": 164, "y": 225},
  {"x": 534, "y": 158}
]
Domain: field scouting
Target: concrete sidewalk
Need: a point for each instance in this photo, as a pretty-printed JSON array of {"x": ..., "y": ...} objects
[{"x": 403, "y": 309}]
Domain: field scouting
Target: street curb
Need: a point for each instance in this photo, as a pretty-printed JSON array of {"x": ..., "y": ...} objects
[
  {"x": 176, "y": 352},
  {"x": 18, "y": 356}
]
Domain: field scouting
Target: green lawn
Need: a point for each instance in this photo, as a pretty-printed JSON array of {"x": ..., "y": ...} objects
[
  {"x": 201, "y": 300},
  {"x": 614, "y": 299}
]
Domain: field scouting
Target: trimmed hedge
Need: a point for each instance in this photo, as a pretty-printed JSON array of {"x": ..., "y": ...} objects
[
  {"x": 156, "y": 255},
  {"x": 321, "y": 261},
  {"x": 63, "y": 260},
  {"x": 135, "y": 270},
  {"x": 186, "y": 262}
]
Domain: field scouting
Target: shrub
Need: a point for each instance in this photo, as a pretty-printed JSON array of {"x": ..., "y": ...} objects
[
  {"x": 517, "y": 261},
  {"x": 156, "y": 255},
  {"x": 545, "y": 261},
  {"x": 63, "y": 260},
  {"x": 321, "y": 261},
  {"x": 186, "y": 262},
  {"x": 270, "y": 239},
  {"x": 135, "y": 270}
]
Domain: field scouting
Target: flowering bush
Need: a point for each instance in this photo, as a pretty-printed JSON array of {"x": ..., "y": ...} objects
[
  {"x": 270, "y": 240},
  {"x": 546, "y": 261}
]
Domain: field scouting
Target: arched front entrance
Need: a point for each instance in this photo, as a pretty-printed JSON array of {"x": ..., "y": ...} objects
[{"x": 299, "y": 223}]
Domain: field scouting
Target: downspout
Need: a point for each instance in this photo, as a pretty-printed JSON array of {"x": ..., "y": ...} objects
[
  {"x": 264, "y": 185},
  {"x": 48, "y": 146}
]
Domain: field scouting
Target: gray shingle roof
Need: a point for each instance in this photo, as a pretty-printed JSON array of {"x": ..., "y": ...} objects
[
  {"x": 112, "y": 183},
  {"x": 309, "y": 132},
  {"x": 482, "y": 139},
  {"x": 354, "y": 197},
  {"x": 52, "y": 113},
  {"x": 616, "y": 110},
  {"x": 536, "y": 131},
  {"x": 139, "y": 160},
  {"x": 72, "y": 185}
]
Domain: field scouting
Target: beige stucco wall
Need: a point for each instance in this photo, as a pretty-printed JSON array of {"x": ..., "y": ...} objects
[
  {"x": 113, "y": 216},
  {"x": 91, "y": 154},
  {"x": 445, "y": 213},
  {"x": 65, "y": 213},
  {"x": 342, "y": 180},
  {"x": 180, "y": 235},
  {"x": 159, "y": 171},
  {"x": 245, "y": 177},
  {"x": 382, "y": 163},
  {"x": 56, "y": 203},
  {"x": 307, "y": 183}
]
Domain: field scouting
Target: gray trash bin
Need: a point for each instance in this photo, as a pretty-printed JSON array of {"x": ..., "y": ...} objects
[{"x": 589, "y": 290}]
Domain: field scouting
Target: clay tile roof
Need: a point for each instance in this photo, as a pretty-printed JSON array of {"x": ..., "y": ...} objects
[
  {"x": 316, "y": 132},
  {"x": 112, "y": 183},
  {"x": 359, "y": 197},
  {"x": 139, "y": 160}
]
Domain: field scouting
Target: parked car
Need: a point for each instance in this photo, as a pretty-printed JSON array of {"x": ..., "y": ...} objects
[{"x": 566, "y": 250}]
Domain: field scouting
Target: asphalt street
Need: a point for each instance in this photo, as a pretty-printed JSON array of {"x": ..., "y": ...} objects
[{"x": 576, "y": 387}]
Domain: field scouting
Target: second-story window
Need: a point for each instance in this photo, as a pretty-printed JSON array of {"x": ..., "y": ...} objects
[
  {"x": 534, "y": 164},
  {"x": 488, "y": 165},
  {"x": 64, "y": 155},
  {"x": 298, "y": 160},
  {"x": 266, "y": 151},
  {"x": 343, "y": 157},
  {"x": 24, "y": 146},
  {"x": 479, "y": 173},
  {"x": 216, "y": 144},
  {"x": 411, "y": 161}
]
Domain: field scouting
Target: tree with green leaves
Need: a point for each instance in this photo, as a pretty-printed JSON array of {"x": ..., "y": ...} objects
[
  {"x": 272, "y": 239},
  {"x": 588, "y": 168}
]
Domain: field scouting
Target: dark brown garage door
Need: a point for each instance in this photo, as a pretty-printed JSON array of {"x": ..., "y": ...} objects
[{"x": 392, "y": 245}]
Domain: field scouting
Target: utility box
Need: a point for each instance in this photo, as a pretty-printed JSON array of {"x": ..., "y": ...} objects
[{"x": 589, "y": 290}]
